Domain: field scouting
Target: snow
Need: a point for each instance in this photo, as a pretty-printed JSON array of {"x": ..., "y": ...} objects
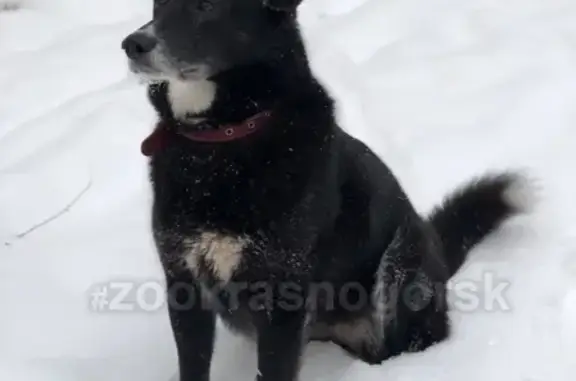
[{"x": 443, "y": 90}]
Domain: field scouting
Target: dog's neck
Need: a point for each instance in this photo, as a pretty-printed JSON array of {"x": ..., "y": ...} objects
[{"x": 239, "y": 93}]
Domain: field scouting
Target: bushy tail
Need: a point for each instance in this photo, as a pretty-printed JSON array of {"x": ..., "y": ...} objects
[{"x": 477, "y": 209}]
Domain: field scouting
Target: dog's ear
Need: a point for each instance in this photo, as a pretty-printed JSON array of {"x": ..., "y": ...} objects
[{"x": 282, "y": 5}]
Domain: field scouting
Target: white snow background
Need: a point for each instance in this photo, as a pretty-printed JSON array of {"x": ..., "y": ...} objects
[{"x": 443, "y": 90}]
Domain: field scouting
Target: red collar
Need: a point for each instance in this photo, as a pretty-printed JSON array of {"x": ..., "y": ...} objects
[{"x": 225, "y": 133}]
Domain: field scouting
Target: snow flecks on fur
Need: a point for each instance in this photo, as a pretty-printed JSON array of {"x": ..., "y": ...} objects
[{"x": 221, "y": 253}]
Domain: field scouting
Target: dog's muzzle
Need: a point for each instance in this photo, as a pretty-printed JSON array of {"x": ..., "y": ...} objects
[{"x": 138, "y": 45}]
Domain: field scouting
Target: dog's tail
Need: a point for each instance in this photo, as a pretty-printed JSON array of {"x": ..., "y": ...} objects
[{"x": 477, "y": 209}]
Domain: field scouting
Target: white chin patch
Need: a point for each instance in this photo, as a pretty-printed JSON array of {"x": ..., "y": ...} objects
[{"x": 188, "y": 98}]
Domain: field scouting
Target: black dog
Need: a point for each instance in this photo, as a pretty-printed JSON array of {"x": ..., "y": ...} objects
[{"x": 269, "y": 215}]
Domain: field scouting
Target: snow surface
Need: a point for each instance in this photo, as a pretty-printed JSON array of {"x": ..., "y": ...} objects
[{"x": 442, "y": 89}]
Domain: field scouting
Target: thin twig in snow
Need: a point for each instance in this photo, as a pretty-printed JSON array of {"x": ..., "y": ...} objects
[{"x": 59, "y": 214}]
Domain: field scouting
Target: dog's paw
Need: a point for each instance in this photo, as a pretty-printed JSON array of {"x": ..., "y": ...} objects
[{"x": 366, "y": 353}]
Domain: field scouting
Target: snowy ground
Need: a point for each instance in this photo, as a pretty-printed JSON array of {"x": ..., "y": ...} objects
[{"x": 442, "y": 89}]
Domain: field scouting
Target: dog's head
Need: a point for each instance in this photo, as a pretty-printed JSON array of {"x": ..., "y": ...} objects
[{"x": 196, "y": 39}]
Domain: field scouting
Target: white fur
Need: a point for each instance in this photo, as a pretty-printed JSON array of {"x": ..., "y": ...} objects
[
  {"x": 221, "y": 253},
  {"x": 384, "y": 308},
  {"x": 186, "y": 97},
  {"x": 360, "y": 333},
  {"x": 522, "y": 194},
  {"x": 190, "y": 97}
]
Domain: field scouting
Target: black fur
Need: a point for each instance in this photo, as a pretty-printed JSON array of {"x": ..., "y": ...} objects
[
  {"x": 481, "y": 204},
  {"x": 332, "y": 249}
]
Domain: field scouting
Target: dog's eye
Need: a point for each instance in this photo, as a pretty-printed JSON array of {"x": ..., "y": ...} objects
[{"x": 158, "y": 4}]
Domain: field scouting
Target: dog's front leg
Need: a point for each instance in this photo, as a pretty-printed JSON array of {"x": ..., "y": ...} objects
[
  {"x": 280, "y": 345},
  {"x": 193, "y": 325}
]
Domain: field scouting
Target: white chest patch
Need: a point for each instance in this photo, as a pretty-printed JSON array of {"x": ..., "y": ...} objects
[
  {"x": 221, "y": 253},
  {"x": 190, "y": 97}
]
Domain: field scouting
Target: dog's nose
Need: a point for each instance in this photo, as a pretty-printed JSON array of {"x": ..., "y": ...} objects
[{"x": 138, "y": 44}]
